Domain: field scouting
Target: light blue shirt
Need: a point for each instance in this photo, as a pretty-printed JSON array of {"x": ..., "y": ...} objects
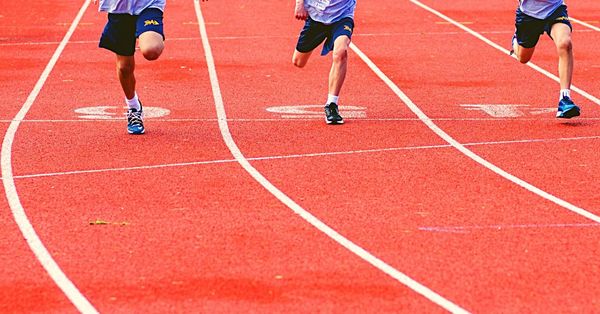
[
  {"x": 329, "y": 11},
  {"x": 540, "y": 9},
  {"x": 133, "y": 7}
]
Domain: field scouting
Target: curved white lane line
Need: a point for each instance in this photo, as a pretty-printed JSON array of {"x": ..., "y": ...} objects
[
  {"x": 493, "y": 44},
  {"x": 588, "y": 25},
  {"x": 34, "y": 242},
  {"x": 306, "y": 155},
  {"x": 351, "y": 246},
  {"x": 460, "y": 147}
]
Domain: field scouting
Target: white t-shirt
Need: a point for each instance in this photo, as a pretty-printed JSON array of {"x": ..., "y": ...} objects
[
  {"x": 133, "y": 7},
  {"x": 329, "y": 11},
  {"x": 540, "y": 9}
]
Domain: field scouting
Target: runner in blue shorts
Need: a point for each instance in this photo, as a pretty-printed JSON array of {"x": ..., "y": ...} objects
[
  {"x": 533, "y": 18},
  {"x": 331, "y": 21},
  {"x": 130, "y": 21}
]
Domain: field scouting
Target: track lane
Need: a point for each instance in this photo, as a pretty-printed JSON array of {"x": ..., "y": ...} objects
[
  {"x": 314, "y": 182},
  {"x": 149, "y": 248},
  {"x": 580, "y": 194},
  {"x": 26, "y": 286}
]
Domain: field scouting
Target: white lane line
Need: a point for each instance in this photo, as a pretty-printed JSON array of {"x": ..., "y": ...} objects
[
  {"x": 321, "y": 226},
  {"x": 467, "y": 229},
  {"x": 307, "y": 155},
  {"x": 112, "y": 120},
  {"x": 506, "y": 51},
  {"x": 588, "y": 25},
  {"x": 33, "y": 240},
  {"x": 460, "y": 147}
]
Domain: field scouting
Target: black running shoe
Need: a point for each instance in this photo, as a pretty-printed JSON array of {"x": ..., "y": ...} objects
[
  {"x": 135, "y": 121},
  {"x": 332, "y": 115}
]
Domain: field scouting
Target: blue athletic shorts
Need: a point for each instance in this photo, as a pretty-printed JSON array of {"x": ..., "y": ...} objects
[
  {"x": 122, "y": 30},
  {"x": 314, "y": 33},
  {"x": 529, "y": 28}
]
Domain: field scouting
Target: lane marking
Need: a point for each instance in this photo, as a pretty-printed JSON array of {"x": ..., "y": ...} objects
[
  {"x": 588, "y": 25},
  {"x": 237, "y": 154},
  {"x": 33, "y": 240},
  {"x": 534, "y": 111},
  {"x": 467, "y": 229},
  {"x": 112, "y": 112},
  {"x": 292, "y": 156},
  {"x": 496, "y": 110},
  {"x": 316, "y": 111},
  {"x": 508, "y": 110},
  {"x": 441, "y": 133},
  {"x": 506, "y": 51}
]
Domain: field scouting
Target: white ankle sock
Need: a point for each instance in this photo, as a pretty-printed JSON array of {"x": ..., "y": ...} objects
[
  {"x": 332, "y": 99},
  {"x": 565, "y": 93},
  {"x": 133, "y": 103}
]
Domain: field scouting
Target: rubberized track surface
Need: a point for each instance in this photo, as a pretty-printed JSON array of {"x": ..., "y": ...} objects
[{"x": 451, "y": 187}]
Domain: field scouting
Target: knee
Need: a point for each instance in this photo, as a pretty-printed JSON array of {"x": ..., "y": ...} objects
[
  {"x": 564, "y": 45},
  {"x": 125, "y": 67},
  {"x": 340, "y": 56},
  {"x": 152, "y": 53},
  {"x": 523, "y": 59},
  {"x": 298, "y": 62}
]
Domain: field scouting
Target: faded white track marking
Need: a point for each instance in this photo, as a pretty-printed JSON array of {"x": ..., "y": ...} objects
[
  {"x": 588, "y": 25},
  {"x": 467, "y": 229},
  {"x": 306, "y": 155}
]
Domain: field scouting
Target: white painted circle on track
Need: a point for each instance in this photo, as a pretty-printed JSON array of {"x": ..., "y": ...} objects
[
  {"x": 114, "y": 112},
  {"x": 316, "y": 111}
]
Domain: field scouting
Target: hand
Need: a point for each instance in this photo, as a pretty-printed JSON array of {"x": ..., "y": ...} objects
[{"x": 300, "y": 12}]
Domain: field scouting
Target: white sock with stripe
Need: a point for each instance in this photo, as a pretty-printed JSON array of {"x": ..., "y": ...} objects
[{"x": 133, "y": 103}]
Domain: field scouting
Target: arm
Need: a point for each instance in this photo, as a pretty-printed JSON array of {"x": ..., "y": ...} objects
[{"x": 300, "y": 12}]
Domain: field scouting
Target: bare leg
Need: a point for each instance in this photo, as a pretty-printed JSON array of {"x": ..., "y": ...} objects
[
  {"x": 561, "y": 33},
  {"x": 125, "y": 68},
  {"x": 523, "y": 54},
  {"x": 300, "y": 59},
  {"x": 151, "y": 45},
  {"x": 337, "y": 74}
]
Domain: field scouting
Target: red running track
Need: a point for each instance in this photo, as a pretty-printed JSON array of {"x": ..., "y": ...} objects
[{"x": 187, "y": 229}]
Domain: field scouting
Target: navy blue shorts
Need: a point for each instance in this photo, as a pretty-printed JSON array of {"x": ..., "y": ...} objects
[
  {"x": 314, "y": 33},
  {"x": 122, "y": 30},
  {"x": 529, "y": 28}
]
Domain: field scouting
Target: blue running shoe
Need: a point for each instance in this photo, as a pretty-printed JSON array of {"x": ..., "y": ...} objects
[
  {"x": 135, "y": 121},
  {"x": 567, "y": 109}
]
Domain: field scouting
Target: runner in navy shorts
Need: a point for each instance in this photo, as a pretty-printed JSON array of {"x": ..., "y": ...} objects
[
  {"x": 314, "y": 33},
  {"x": 529, "y": 28},
  {"x": 534, "y": 18},
  {"x": 122, "y": 30},
  {"x": 130, "y": 22},
  {"x": 332, "y": 22}
]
